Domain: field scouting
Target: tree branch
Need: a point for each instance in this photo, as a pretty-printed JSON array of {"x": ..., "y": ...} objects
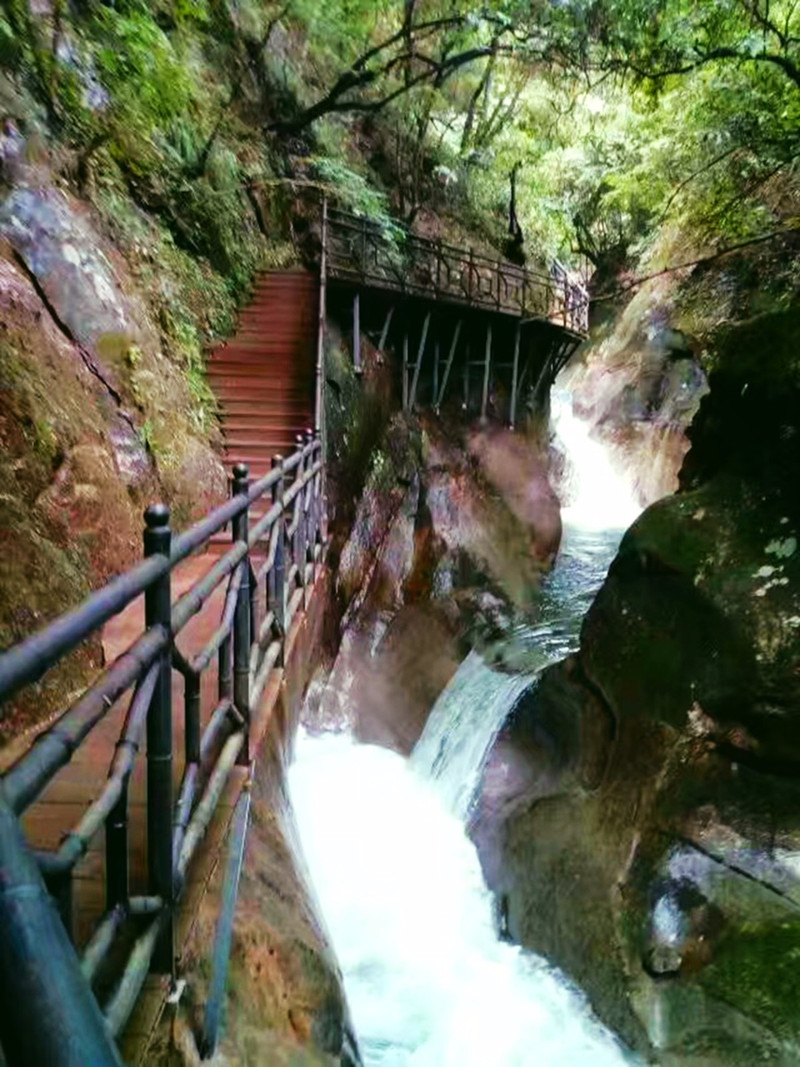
[
  {"x": 337, "y": 100},
  {"x": 703, "y": 261}
]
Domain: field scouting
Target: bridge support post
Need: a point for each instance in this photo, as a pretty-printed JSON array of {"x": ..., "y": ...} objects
[
  {"x": 276, "y": 581},
  {"x": 412, "y": 399},
  {"x": 242, "y": 616},
  {"x": 465, "y": 405},
  {"x": 405, "y": 371},
  {"x": 158, "y": 612},
  {"x": 486, "y": 370},
  {"x": 512, "y": 414},
  {"x": 357, "y": 332},
  {"x": 448, "y": 365},
  {"x": 385, "y": 331}
]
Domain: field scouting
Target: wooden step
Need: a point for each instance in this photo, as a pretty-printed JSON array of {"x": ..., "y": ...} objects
[
  {"x": 263, "y": 376},
  {"x": 269, "y": 371}
]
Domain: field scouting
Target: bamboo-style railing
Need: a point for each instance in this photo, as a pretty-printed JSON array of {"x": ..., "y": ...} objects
[{"x": 49, "y": 1013}]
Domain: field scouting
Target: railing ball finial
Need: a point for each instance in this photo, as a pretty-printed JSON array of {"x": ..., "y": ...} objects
[
  {"x": 156, "y": 516},
  {"x": 241, "y": 471}
]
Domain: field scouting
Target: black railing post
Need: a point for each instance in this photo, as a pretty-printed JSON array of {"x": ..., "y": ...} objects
[
  {"x": 318, "y": 490},
  {"x": 566, "y": 299},
  {"x": 158, "y": 610},
  {"x": 308, "y": 502},
  {"x": 191, "y": 702},
  {"x": 60, "y": 888},
  {"x": 241, "y": 619},
  {"x": 298, "y": 549},
  {"x": 225, "y": 670},
  {"x": 277, "y": 583},
  {"x": 117, "y": 852}
]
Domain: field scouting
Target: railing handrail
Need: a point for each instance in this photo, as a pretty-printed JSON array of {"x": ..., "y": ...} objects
[
  {"x": 249, "y": 641},
  {"x": 433, "y": 268}
]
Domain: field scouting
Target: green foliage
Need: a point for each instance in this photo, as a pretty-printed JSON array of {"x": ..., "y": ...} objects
[
  {"x": 352, "y": 189},
  {"x": 11, "y": 51},
  {"x": 139, "y": 66}
]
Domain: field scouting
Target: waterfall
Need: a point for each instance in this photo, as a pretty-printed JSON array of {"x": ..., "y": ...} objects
[
  {"x": 461, "y": 727},
  {"x": 428, "y": 982},
  {"x": 402, "y": 893},
  {"x": 595, "y": 495}
]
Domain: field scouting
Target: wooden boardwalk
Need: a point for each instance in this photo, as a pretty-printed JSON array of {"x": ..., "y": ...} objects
[
  {"x": 264, "y": 380},
  {"x": 67, "y": 797},
  {"x": 70, "y": 793}
]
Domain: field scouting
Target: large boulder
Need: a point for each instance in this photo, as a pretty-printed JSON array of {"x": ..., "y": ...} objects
[
  {"x": 639, "y": 383},
  {"x": 640, "y": 816}
]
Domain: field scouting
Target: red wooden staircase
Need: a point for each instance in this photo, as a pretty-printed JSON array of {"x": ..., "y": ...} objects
[{"x": 264, "y": 375}]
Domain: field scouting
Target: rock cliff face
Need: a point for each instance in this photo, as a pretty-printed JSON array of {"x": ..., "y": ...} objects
[
  {"x": 451, "y": 535},
  {"x": 127, "y": 237},
  {"x": 95, "y": 419},
  {"x": 102, "y": 408},
  {"x": 639, "y": 386},
  {"x": 649, "y": 841}
]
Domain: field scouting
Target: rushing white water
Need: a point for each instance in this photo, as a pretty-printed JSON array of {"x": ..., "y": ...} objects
[
  {"x": 461, "y": 728},
  {"x": 400, "y": 886},
  {"x": 597, "y": 496},
  {"x": 428, "y": 982}
]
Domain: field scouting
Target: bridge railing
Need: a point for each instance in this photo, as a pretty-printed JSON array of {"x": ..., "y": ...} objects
[
  {"x": 361, "y": 250},
  {"x": 266, "y": 573}
]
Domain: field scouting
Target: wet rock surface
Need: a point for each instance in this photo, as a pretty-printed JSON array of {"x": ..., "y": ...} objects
[
  {"x": 450, "y": 538},
  {"x": 640, "y": 816},
  {"x": 639, "y": 386}
]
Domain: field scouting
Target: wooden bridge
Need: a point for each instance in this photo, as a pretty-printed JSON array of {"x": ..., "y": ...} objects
[{"x": 476, "y": 333}]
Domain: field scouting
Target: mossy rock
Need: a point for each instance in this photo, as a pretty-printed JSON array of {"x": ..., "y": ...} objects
[
  {"x": 756, "y": 969},
  {"x": 702, "y": 608}
]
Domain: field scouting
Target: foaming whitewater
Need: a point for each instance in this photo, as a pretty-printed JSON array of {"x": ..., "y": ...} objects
[
  {"x": 428, "y": 982},
  {"x": 461, "y": 727},
  {"x": 597, "y": 496},
  {"x": 400, "y": 886}
]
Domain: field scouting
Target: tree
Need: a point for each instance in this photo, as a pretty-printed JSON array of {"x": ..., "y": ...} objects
[
  {"x": 656, "y": 40},
  {"x": 416, "y": 53}
]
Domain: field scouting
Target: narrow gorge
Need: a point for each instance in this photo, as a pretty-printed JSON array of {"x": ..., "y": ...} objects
[{"x": 400, "y": 533}]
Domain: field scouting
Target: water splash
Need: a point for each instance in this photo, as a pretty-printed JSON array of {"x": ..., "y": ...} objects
[
  {"x": 461, "y": 727},
  {"x": 597, "y": 497},
  {"x": 400, "y": 886}
]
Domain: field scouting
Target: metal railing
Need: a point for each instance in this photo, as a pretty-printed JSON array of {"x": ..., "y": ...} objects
[
  {"x": 48, "y": 1010},
  {"x": 360, "y": 250}
]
